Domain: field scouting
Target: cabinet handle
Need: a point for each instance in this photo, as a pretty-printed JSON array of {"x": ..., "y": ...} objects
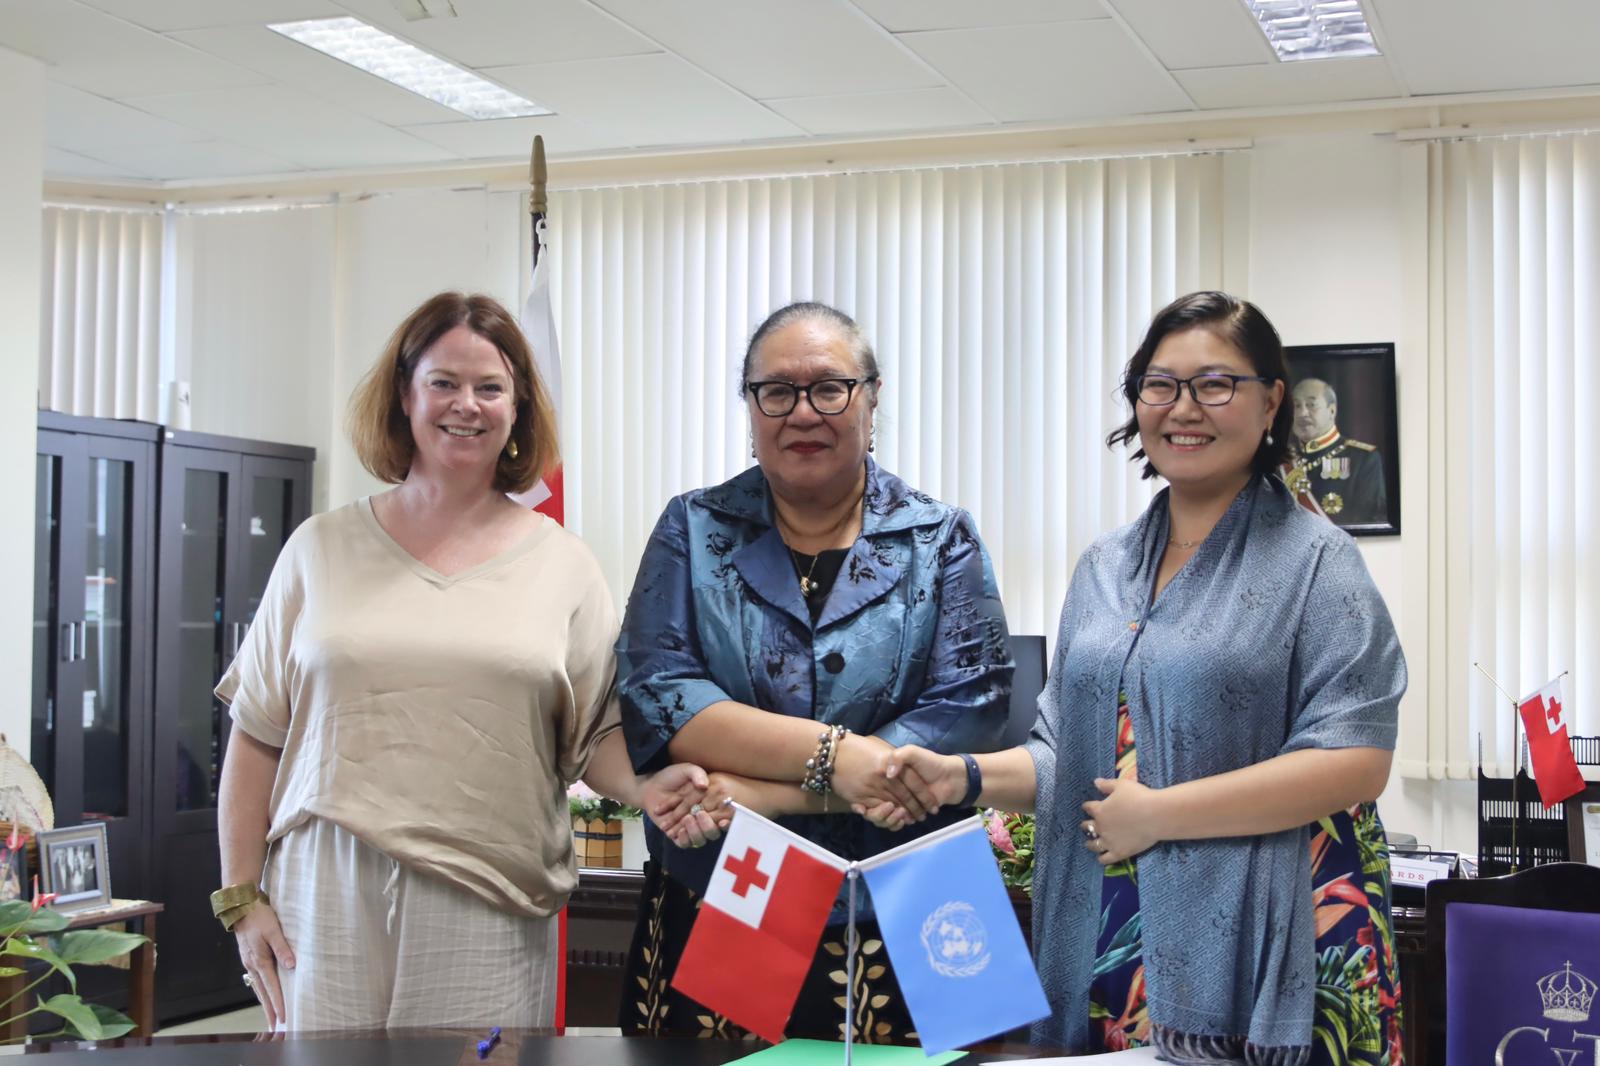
[
  {"x": 83, "y": 640},
  {"x": 69, "y": 641}
]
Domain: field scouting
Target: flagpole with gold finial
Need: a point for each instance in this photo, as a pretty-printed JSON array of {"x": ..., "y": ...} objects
[{"x": 538, "y": 199}]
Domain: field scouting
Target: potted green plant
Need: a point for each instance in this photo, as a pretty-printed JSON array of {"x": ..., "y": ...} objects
[
  {"x": 32, "y": 932},
  {"x": 597, "y": 826}
]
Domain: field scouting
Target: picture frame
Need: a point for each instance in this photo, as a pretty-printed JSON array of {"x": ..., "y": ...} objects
[
  {"x": 1583, "y": 825},
  {"x": 1345, "y": 451},
  {"x": 74, "y": 863}
]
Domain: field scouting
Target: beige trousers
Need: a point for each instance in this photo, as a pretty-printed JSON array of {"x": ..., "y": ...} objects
[{"x": 378, "y": 946}]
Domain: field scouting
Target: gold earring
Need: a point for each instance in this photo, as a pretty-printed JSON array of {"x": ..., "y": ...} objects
[{"x": 511, "y": 448}]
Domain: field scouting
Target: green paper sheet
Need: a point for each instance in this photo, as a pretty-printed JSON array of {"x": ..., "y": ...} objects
[{"x": 831, "y": 1053}]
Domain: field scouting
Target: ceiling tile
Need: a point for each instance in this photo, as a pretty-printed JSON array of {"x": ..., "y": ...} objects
[
  {"x": 106, "y": 56},
  {"x": 1460, "y": 46},
  {"x": 1197, "y": 33},
  {"x": 512, "y": 138},
  {"x": 83, "y": 122},
  {"x": 1057, "y": 71},
  {"x": 647, "y": 100},
  {"x": 165, "y": 15},
  {"x": 302, "y": 129},
  {"x": 778, "y": 48},
  {"x": 498, "y": 33},
  {"x": 60, "y": 163},
  {"x": 904, "y": 15},
  {"x": 1284, "y": 84},
  {"x": 917, "y": 109},
  {"x": 292, "y": 63},
  {"x": 196, "y": 161}
]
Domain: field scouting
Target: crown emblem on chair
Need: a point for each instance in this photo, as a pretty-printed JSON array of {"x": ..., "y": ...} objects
[{"x": 1566, "y": 996}]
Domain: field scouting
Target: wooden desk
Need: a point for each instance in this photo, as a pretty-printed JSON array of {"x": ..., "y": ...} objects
[
  {"x": 141, "y": 963},
  {"x": 432, "y": 1048}
]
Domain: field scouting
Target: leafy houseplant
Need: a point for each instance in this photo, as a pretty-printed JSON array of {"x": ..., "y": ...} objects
[{"x": 33, "y": 932}]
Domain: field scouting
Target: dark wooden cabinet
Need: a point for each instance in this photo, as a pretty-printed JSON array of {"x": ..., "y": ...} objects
[
  {"x": 93, "y": 573},
  {"x": 152, "y": 552},
  {"x": 226, "y": 508}
]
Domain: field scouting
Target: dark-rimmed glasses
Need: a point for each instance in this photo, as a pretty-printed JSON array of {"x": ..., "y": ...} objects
[
  {"x": 1208, "y": 390},
  {"x": 829, "y": 396}
]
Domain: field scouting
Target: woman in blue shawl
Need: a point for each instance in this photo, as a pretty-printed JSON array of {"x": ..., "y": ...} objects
[
  {"x": 788, "y": 630},
  {"x": 1219, "y": 719}
]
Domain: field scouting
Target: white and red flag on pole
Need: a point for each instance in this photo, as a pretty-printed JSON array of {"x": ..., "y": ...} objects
[
  {"x": 1544, "y": 718},
  {"x": 539, "y": 326},
  {"x": 759, "y": 924}
]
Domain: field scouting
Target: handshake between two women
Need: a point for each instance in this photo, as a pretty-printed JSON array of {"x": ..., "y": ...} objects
[{"x": 891, "y": 787}]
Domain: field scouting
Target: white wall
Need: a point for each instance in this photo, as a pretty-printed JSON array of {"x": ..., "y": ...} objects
[
  {"x": 1337, "y": 252},
  {"x": 21, "y": 194},
  {"x": 254, "y": 326}
]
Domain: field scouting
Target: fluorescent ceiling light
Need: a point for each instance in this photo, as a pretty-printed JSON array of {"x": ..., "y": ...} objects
[
  {"x": 409, "y": 67},
  {"x": 1314, "y": 29}
]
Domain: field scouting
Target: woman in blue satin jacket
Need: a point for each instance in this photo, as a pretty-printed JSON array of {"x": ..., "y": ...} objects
[{"x": 813, "y": 610}]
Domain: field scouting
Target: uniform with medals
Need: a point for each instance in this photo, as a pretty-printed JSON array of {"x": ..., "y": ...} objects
[{"x": 1343, "y": 476}]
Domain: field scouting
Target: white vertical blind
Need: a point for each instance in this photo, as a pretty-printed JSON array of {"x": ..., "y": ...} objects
[
  {"x": 100, "y": 330},
  {"x": 1520, "y": 244},
  {"x": 1003, "y": 302}
]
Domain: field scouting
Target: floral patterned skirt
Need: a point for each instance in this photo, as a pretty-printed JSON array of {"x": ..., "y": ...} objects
[
  {"x": 1357, "y": 1017},
  {"x": 650, "y": 1003}
]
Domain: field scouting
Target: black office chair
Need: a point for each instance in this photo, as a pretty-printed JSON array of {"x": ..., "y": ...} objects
[
  {"x": 1562, "y": 886},
  {"x": 1026, "y": 684}
]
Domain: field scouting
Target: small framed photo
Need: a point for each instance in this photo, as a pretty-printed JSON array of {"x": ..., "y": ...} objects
[
  {"x": 1345, "y": 456},
  {"x": 74, "y": 865},
  {"x": 1583, "y": 825}
]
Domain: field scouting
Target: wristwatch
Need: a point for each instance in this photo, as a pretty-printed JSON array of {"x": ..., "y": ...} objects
[{"x": 974, "y": 781}]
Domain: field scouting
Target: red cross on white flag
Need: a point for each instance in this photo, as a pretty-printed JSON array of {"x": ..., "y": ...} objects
[{"x": 758, "y": 927}]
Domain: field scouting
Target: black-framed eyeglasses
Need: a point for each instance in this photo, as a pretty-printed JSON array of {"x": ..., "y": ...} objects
[
  {"x": 1208, "y": 390},
  {"x": 829, "y": 396}
]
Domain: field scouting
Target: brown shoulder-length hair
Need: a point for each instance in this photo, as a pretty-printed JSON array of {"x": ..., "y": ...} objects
[
  {"x": 1241, "y": 324},
  {"x": 378, "y": 425}
]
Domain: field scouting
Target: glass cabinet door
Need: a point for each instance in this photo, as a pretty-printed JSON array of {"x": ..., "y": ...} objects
[
  {"x": 47, "y": 624},
  {"x": 203, "y": 637},
  {"x": 107, "y": 583},
  {"x": 270, "y": 521}
]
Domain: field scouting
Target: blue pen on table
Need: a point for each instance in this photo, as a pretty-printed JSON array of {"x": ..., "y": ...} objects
[{"x": 487, "y": 1045}]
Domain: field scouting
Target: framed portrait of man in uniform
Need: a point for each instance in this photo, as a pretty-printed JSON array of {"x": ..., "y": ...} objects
[{"x": 1344, "y": 458}]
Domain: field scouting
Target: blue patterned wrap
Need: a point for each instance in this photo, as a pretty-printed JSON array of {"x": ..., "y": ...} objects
[
  {"x": 1271, "y": 639},
  {"x": 910, "y": 646}
]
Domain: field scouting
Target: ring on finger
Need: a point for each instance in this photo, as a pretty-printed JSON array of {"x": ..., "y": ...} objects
[
  {"x": 1090, "y": 831},
  {"x": 696, "y": 809},
  {"x": 249, "y": 982}
]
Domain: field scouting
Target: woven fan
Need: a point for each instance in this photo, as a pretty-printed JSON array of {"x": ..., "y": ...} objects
[{"x": 24, "y": 801}]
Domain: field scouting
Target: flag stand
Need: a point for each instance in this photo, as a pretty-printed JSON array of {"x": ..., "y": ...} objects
[{"x": 852, "y": 875}]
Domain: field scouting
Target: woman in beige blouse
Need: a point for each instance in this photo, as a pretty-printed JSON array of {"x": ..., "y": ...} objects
[{"x": 430, "y": 669}]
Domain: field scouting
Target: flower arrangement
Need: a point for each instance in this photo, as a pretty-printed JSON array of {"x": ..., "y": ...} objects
[
  {"x": 588, "y": 805},
  {"x": 1012, "y": 838},
  {"x": 34, "y": 932}
]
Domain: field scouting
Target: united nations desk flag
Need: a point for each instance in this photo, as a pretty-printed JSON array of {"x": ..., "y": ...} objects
[{"x": 953, "y": 937}]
